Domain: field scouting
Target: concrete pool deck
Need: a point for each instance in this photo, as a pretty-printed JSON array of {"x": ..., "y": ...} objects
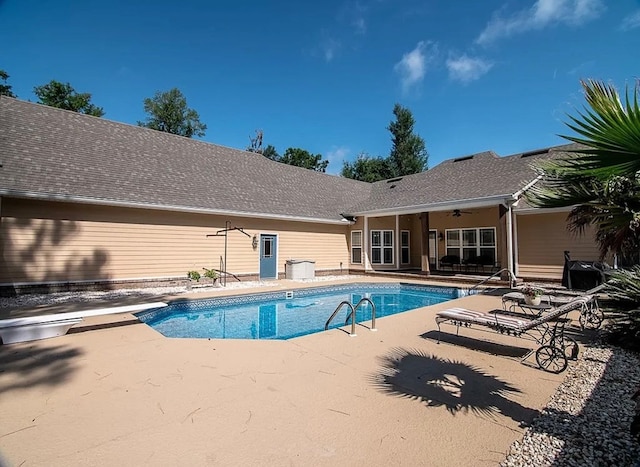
[{"x": 122, "y": 394}]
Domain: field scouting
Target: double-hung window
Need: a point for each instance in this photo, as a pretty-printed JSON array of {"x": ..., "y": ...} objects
[
  {"x": 356, "y": 247},
  {"x": 382, "y": 247},
  {"x": 472, "y": 243}
]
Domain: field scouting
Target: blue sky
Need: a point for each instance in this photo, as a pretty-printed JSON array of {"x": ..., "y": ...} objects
[{"x": 495, "y": 75}]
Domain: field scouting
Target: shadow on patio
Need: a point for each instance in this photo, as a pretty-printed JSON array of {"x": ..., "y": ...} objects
[
  {"x": 22, "y": 367},
  {"x": 410, "y": 373}
]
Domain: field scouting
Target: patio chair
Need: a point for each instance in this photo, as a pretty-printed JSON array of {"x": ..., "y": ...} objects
[
  {"x": 450, "y": 261},
  {"x": 591, "y": 316},
  {"x": 554, "y": 348}
]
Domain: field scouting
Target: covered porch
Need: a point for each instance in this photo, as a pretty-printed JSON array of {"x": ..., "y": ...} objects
[{"x": 454, "y": 241}]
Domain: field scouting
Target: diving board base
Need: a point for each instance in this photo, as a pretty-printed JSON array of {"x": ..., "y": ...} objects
[{"x": 33, "y": 332}]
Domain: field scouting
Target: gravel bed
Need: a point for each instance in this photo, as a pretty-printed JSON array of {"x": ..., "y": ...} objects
[{"x": 587, "y": 421}]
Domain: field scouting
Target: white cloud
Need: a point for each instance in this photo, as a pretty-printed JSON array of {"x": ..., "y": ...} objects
[
  {"x": 329, "y": 48},
  {"x": 413, "y": 65},
  {"x": 466, "y": 69},
  {"x": 632, "y": 21},
  {"x": 336, "y": 156},
  {"x": 543, "y": 13}
]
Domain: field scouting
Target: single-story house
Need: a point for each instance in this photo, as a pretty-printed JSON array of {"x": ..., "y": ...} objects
[{"x": 85, "y": 200}]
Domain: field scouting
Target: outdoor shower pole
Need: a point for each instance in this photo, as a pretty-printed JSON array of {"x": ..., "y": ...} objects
[{"x": 227, "y": 226}]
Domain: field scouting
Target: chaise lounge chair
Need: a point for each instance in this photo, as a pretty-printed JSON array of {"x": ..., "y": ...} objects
[
  {"x": 547, "y": 330},
  {"x": 591, "y": 316}
]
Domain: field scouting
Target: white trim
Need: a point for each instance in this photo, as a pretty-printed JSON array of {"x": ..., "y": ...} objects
[
  {"x": 519, "y": 193},
  {"x": 531, "y": 210},
  {"x": 510, "y": 261},
  {"x": 365, "y": 244},
  {"x": 443, "y": 206},
  {"x": 171, "y": 208},
  {"x": 516, "y": 258}
]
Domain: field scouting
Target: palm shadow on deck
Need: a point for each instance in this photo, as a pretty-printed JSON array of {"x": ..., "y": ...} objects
[
  {"x": 457, "y": 386},
  {"x": 23, "y": 367}
]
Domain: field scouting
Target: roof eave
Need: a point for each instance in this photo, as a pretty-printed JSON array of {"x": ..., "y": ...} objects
[
  {"x": 470, "y": 203},
  {"x": 130, "y": 204}
]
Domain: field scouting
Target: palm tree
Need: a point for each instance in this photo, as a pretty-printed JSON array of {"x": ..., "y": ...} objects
[{"x": 599, "y": 177}]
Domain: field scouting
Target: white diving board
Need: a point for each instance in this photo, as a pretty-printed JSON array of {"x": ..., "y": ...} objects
[{"x": 32, "y": 328}]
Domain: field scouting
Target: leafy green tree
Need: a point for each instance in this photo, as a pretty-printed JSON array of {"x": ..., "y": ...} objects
[
  {"x": 270, "y": 153},
  {"x": 368, "y": 169},
  {"x": 601, "y": 177},
  {"x": 63, "y": 96},
  {"x": 5, "y": 88},
  {"x": 408, "y": 153},
  {"x": 302, "y": 158},
  {"x": 168, "y": 112}
]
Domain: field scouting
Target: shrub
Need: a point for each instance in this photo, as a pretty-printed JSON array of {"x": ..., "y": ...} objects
[
  {"x": 623, "y": 289},
  {"x": 210, "y": 273},
  {"x": 193, "y": 275}
]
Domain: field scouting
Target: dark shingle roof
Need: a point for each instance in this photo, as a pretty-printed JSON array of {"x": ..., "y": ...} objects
[
  {"x": 51, "y": 153},
  {"x": 470, "y": 178}
]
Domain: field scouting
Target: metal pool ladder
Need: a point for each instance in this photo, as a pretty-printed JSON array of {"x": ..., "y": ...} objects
[{"x": 352, "y": 315}]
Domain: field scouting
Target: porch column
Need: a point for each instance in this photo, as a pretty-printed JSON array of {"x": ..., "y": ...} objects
[
  {"x": 398, "y": 248},
  {"x": 365, "y": 244},
  {"x": 424, "y": 243},
  {"x": 510, "y": 238}
]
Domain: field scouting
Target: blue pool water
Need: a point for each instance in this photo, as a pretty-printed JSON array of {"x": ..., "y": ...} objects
[{"x": 274, "y": 316}]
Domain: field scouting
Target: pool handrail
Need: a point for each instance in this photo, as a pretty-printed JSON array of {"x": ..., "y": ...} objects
[
  {"x": 373, "y": 311},
  {"x": 351, "y": 313},
  {"x": 512, "y": 279}
]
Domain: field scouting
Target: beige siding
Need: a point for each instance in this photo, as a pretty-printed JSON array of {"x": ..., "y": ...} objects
[
  {"x": 46, "y": 241},
  {"x": 542, "y": 240}
]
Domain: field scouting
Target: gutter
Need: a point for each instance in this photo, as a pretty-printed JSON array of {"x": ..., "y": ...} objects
[
  {"x": 170, "y": 208},
  {"x": 442, "y": 206}
]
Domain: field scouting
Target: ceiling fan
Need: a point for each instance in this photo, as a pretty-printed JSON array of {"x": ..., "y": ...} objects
[{"x": 458, "y": 212}]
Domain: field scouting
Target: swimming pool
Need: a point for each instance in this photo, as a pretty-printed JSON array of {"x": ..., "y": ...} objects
[{"x": 284, "y": 315}]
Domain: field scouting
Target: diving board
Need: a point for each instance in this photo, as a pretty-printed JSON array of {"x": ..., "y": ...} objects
[{"x": 32, "y": 328}]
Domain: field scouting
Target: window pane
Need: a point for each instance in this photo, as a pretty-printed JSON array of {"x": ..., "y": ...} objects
[
  {"x": 405, "y": 256},
  {"x": 487, "y": 237},
  {"x": 356, "y": 238},
  {"x": 489, "y": 253},
  {"x": 404, "y": 237},
  {"x": 356, "y": 255},
  {"x": 375, "y": 238},
  {"x": 453, "y": 251},
  {"x": 388, "y": 255},
  {"x": 387, "y": 238},
  {"x": 453, "y": 238},
  {"x": 469, "y": 237},
  {"x": 375, "y": 255},
  {"x": 266, "y": 247},
  {"x": 468, "y": 253}
]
